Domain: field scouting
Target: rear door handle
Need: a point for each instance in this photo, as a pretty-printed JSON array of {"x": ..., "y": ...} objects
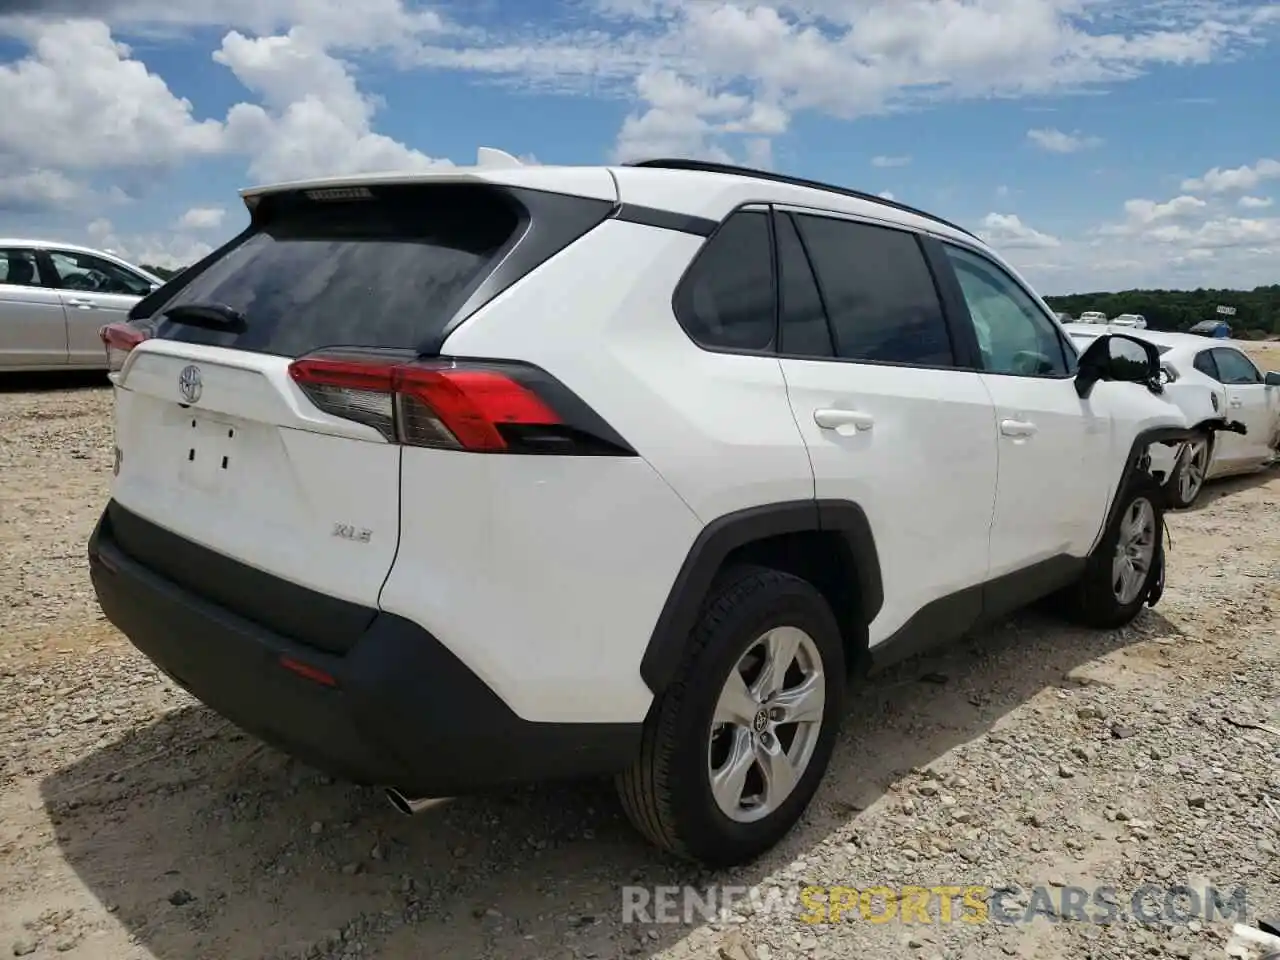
[
  {"x": 1237, "y": 402},
  {"x": 82, "y": 304},
  {"x": 832, "y": 419},
  {"x": 1018, "y": 428}
]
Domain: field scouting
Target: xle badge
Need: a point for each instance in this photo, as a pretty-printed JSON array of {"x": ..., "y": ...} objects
[{"x": 346, "y": 531}]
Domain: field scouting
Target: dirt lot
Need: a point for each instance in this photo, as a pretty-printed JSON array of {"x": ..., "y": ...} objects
[{"x": 136, "y": 824}]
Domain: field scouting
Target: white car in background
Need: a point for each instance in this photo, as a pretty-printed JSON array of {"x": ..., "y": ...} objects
[
  {"x": 55, "y": 297},
  {"x": 1240, "y": 390},
  {"x": 1134, "y": 320},
  {"x": 1092, "y": 316}
]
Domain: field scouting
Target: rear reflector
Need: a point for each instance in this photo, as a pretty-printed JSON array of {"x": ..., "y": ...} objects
[
  {"x": 478, "y": 406},
  {"x": 305, "y": 670},
  {"x": 119, "y": 339}
]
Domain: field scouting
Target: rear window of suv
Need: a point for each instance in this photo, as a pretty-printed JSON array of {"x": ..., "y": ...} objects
[{"x": 387, "y": 271}]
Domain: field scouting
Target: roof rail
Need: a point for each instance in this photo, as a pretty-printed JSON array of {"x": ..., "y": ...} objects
[{"x": 707, "y": 166}]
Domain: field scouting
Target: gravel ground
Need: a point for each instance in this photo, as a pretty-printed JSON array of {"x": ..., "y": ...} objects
[{"x": 136, "y": 824}]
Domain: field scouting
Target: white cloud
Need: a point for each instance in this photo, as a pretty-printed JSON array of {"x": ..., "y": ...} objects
[
  {"x": 846, "y": 58},
  {"x": 37, "y": 190},
  {"x": 1148, "y": 211},
  {"x": 884, "y": 162},
  {"x": 314, "y": 121},
  {"x": 202, "y": 218},
  {"x": 79, "y": 101},
  {"x": 1055, "y": 141},
  {"x": 683, "y": 119},
  {"x": 380, "y": 22},
  {"x": 171, "y": 250},
  {"x": 1006, "y": 231},
  {"x": 1218, "y": 180},
  {"x": 1255, "y": 203},
  {"x": 1184, "y": 242}
]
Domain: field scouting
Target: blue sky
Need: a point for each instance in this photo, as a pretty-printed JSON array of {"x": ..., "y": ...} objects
[{"x": 1098, "y": 145}]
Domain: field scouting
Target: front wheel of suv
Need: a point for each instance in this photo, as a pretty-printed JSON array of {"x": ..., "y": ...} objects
[
  {"x": 736, "y": 746},
  {"x": 1126, "y": 564}
]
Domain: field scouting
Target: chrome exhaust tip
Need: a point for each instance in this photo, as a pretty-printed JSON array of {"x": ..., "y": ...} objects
[{"x": 406, "y": 805}]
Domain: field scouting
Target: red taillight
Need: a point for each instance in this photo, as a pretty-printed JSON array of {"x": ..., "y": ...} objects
[
  {"x": 425, "y": 403},
  {"x": 119, "y": 339}
]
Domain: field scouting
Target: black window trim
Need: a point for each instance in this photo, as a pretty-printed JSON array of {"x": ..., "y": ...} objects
[
  {"x": 1059, "y": 334},
  {"x": 963, "y": 349},
  {"x": 776, "y": 212}
]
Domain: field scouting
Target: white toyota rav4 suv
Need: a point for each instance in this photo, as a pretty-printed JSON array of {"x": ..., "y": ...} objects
[{"x": 447, "y": 481}]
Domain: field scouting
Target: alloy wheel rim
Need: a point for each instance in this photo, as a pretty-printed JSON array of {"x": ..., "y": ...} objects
[
  {"x": 1135, "y": 551},
  {"x": 766, "y": 724},
  {"x": 1194, "y": 470}
]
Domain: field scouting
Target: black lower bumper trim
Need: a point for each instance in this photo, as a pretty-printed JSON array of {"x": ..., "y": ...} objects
[{"x": 404, "y": 712}]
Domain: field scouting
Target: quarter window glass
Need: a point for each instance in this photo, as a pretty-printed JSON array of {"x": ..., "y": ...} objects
[
  {"x": 726, "y": 300},
  {"x": 1205, "y": 364}
]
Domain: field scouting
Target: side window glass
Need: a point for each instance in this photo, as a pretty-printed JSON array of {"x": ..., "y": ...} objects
[
  {"x": 804, "y": 329},
  {"x": 1014, "y": 334},
  {"x": 1235, "y": 367},
  {"x": 878, "y": 292},
  {"x": 1205, "y": 364},
  {"x": 18, "y": 267},
  {"x": 726, "y": 300},
  {"x": 81, "y": 271}
]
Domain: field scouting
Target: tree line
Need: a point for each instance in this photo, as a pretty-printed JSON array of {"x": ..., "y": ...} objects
[
  {"x": 164, "y": 273},
  {"x": 1257, "y": 311}
]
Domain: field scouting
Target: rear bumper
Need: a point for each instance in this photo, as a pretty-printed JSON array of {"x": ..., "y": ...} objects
[{"x": 401, "y": 711}]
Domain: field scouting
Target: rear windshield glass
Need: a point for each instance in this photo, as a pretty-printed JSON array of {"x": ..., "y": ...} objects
[{"x": 385, "y": 272}]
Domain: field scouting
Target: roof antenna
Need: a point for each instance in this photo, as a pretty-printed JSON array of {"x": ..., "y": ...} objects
[{"x": 492, "y": 157}]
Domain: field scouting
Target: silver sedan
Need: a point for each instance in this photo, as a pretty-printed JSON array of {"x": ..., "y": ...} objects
[{"x": 54, "y": 297}]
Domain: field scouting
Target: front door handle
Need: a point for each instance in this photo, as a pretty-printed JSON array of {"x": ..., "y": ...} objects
[
  {"x": 1018, "y": 428},
  {"x": 82, "y": 304},
  {"x": 1237, "y": 402},
  {"x": 833, "y": 419}
]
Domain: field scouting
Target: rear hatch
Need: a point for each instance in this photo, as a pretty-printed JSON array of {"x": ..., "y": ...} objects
[{"x": 243, "y": 458}]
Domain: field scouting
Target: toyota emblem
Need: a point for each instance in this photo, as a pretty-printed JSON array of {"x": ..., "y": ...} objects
[{"x": 189, "y": 384}]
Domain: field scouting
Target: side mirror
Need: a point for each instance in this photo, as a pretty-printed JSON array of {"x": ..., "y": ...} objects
[
  {"x": 1119, "y": 358},
  {"x": 1272, "y": 379}
]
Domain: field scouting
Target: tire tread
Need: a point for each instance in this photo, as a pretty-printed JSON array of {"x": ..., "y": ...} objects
[{"x": 644, "y": 788}]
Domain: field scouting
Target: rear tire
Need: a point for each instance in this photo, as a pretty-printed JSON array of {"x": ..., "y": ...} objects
[
  {"x": 1126, "y": 564},
  {"x": 682, "y": 792}
]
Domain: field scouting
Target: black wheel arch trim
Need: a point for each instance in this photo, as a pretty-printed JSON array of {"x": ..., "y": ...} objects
[
  {"x": 721, "y": 537},
  {"x": 1152, "y": 435}
]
